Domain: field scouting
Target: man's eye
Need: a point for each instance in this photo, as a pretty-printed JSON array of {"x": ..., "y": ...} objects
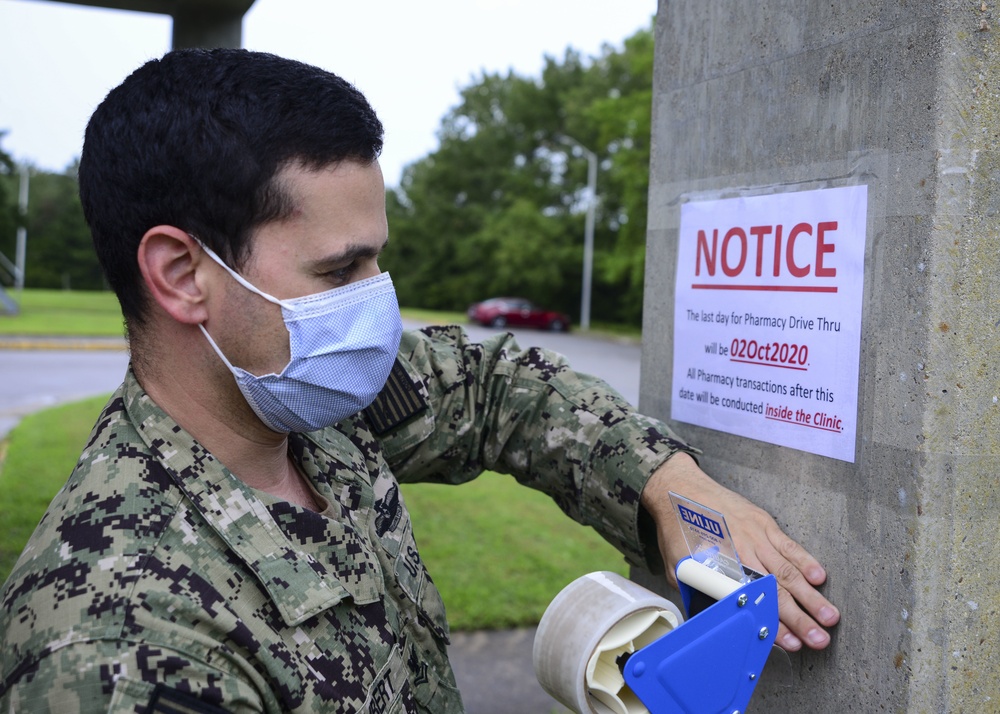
[{"x": 340, "y": 275}]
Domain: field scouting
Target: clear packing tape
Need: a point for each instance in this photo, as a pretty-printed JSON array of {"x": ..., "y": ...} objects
[{"x": 589, "y": 626}]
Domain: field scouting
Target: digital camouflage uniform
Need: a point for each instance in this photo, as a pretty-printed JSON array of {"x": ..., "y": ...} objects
[{"x": 159, "y": 582}]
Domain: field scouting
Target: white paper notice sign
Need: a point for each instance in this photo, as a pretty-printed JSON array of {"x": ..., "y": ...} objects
[{"x": 767, "y": 328}]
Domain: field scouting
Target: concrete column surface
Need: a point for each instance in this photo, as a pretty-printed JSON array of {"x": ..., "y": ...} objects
[
  {"x": 208, "y": 24},
  {"x": 903, "y": 97}
]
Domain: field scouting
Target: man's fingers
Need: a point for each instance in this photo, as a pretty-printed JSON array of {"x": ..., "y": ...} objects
[
  {"x": 800, "y": 573},
  {"x": 803, "y": 609},
  {"x": 799, "y": 627},
  {"x": 798, "y": 556}
]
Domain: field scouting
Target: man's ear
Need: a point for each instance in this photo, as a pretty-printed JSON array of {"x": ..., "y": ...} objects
[{"x": 169, "y": 260}]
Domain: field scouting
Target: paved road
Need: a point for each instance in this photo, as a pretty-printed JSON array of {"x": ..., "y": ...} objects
[
  {"x": 615, "y": 361},
  {"x": 33, "y": 379}
]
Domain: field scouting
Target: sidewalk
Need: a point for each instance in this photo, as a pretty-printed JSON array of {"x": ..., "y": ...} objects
[{"x": 495, "y": 673}]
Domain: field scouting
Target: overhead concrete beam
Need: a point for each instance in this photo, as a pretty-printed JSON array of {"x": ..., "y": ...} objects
[
  {"x": 160, "y": 7},
  {"x": 196, "y": 23}
]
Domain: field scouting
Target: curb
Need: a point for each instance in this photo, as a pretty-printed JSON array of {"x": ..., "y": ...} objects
[{"x": 41, "y": 342}]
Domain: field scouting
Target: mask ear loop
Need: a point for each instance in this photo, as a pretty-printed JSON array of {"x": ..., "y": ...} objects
[
  {"x": 249, "y": 286},
  {"x": 239, "y": 374},
  {"x": 217, "y": 350},
  {"x": 240, "y": 279}
]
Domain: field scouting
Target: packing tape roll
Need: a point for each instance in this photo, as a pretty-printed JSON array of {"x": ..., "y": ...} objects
[{"x": 586, "y": 632}]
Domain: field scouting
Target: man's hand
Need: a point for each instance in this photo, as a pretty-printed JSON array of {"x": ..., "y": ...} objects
[{"x": 759, "y": 541}]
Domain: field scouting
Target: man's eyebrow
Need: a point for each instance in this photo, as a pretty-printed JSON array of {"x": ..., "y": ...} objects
[{"x": 347, "y": 256}]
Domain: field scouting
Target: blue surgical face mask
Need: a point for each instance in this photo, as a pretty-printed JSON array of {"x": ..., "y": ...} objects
[{"x": 343, "y": 343}]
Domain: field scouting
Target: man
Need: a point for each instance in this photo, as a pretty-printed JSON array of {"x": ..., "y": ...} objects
[{"x": 233, "y": 537}]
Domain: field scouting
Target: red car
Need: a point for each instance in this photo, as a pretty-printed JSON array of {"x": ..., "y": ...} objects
[{"x": 516, "y": 312}]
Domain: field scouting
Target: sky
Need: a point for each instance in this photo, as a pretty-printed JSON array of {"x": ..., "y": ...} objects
[{"x": 410, "y": 58}]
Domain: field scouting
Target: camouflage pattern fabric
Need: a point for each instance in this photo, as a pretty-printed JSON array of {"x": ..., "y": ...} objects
[{"x": 157, "y": 581}]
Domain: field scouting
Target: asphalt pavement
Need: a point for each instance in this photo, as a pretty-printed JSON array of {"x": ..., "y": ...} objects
[
  {"x": 493, "y": 668},
  {"x": 40, "y": 372}
]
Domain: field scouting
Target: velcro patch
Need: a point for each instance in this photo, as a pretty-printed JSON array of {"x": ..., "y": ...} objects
[
  {"x": 173, "y": 701},
  {"x": 399, "y": 401}
]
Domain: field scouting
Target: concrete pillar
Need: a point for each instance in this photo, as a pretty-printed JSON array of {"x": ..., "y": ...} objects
[
  {"x": 203, "y": 24},
  {"x": 903, "y": 97}
]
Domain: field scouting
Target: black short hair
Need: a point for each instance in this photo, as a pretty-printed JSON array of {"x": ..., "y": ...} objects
[{"x": 196, "y": 140}]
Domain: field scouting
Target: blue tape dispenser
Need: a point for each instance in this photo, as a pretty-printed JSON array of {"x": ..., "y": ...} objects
[{"x": 608, "y": 646}]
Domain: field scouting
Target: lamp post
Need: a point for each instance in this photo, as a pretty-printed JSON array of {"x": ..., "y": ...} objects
[
  {"x": 588, "y": 231},
  {"x": 22, "y": 232}
]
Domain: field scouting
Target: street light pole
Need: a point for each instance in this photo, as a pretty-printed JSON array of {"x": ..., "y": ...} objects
[
  {"x": 20, "y": 246},
  {"x": 588, "y": 232}
]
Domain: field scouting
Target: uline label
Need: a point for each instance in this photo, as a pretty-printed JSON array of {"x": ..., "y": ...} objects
[{"x": 703, "y": 522}]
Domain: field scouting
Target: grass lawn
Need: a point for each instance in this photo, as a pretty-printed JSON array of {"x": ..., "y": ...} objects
[
  {"x": 35, "y": 460},
  {"x": 498, "y": 551},
  {"x": 64, "y": 312}
]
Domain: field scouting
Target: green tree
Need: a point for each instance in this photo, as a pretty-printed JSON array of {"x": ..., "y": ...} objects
[
  {"x": 452, "y": 236},
  {"x": 60, "y": 252},
  {"x": 499, "y": 207},
  {"x": 624, "y": 119}
]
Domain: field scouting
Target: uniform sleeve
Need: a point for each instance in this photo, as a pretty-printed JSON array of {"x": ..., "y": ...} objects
[
  {"x": 493, "y": 406},
  {"x": 109, "y": 677}
]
